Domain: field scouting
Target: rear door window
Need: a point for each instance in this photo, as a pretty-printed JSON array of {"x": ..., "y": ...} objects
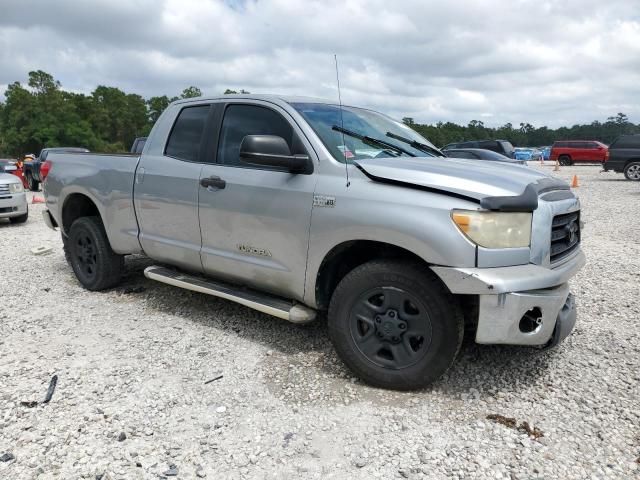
[{"x": 186, "y": 136}]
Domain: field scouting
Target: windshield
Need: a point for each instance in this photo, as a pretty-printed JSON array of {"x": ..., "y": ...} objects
[{"x": 375, "y": 131}]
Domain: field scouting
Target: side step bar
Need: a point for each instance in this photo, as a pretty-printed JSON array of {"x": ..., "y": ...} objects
[{"x": 287, "y": 310}]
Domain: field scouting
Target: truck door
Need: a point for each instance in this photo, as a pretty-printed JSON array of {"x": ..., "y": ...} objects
[
  {"x": 255, "y": 220},
  {"x": 166, "y": 190}
]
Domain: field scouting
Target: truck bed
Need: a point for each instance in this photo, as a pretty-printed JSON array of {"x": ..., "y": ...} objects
[{"x": 105, "y": 179}]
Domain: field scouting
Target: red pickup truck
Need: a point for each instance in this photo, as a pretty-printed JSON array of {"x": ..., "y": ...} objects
[{"x": 568, "y": 152}]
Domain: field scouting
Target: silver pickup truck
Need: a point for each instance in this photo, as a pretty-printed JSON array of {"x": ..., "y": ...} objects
[{"x": 294, "y": 206}]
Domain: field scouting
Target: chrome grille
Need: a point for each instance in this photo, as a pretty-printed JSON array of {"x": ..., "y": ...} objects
[
  {"x": 565, "y": 235},
  {"x": 4, "y": 189}
]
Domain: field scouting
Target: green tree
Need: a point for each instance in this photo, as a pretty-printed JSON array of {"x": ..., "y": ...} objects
[
  {"x": 156, "y": 106},
  {"x": 191, "y": 92}
]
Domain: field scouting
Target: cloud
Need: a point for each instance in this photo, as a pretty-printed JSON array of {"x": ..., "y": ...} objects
[{"x": 545, "y": 62}]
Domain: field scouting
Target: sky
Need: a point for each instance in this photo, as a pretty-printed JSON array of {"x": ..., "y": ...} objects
[{"x": 548, "y": 63}]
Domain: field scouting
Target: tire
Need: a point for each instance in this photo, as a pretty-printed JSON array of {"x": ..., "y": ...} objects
[
  {"x": 632, "y": 171},
  {"x": 65, "y": 248},
  {"x": 96, "y": 266},
  {"x": 20, "y": 218},
  {"x": 34, "y": 185},
  {"x": 565, "y": 160},
  {"x": 395, "y": 325}
]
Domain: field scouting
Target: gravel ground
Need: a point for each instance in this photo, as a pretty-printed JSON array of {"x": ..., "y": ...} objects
[{"x": 131, "y": 399}]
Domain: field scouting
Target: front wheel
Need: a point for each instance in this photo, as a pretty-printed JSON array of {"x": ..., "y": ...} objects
[
  {"x": 95, "y": 264},
  {"x": 632, "y": 171},
  {"x": 394, "y": 324}
]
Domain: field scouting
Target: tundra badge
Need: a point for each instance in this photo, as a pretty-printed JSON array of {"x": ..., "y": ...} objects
[{"x": 324, "y": 201}]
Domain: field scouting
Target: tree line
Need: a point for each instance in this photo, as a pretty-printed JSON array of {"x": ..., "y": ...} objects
[
  {"x": 526, "y": 135},
  {"x": 43, "y": 114}
]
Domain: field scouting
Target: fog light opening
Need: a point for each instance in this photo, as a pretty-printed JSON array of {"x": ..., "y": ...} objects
[{"x": 531, "y": 321}]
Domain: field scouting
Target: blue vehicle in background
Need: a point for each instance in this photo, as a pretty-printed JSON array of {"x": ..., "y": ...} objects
[
  {"x": 527, "y": 154},
  {"x": 546, "y": 152}
]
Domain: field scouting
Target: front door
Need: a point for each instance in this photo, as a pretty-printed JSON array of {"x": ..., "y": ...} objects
[
  {"x": 255, "y": 220},
  {"x": 166, "y": 192}
]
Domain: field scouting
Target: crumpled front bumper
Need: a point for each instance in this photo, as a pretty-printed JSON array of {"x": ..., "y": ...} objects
[{"x": 507, "y": 294}]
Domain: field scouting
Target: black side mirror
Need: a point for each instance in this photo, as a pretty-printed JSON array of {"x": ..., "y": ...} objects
[{"x": 273, "y": 151}]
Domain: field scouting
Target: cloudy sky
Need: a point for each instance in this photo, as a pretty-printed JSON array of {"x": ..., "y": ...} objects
[{"x": 548, "y": 62}]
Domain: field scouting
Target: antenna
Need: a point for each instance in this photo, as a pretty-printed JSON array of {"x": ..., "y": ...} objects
[{"x": 344, "y": 145}]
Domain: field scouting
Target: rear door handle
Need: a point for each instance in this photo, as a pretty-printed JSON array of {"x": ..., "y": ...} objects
[{"x": 215, "y": 182}]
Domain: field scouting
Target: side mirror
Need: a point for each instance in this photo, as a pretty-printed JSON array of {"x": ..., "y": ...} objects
[{"x": 273, "y": 151}]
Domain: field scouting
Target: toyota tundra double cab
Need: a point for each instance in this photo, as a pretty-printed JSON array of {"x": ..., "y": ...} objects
[{"x": 296, "y": 206}]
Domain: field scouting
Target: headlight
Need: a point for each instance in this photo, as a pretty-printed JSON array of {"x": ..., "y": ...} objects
[
  {"x": 494, "y": 229},
  {"x": 15, "y": 188}
]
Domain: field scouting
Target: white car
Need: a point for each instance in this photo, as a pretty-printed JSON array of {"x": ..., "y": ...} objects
[{"x": 13, "y": 199}]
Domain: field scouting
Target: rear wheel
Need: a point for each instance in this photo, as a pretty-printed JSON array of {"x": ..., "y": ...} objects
[
  {"x": 394, "y": 324},
  {"x": 95, "y": 264},
  {"x": 565, "y": 160},
  {"x": 632, "y": 171}
]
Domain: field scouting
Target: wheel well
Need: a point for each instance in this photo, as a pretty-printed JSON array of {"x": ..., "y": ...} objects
[
  {"x": 76, "y": 206},
  {"x": 632, "y": 160},
  {"x": 345, "y": 257}
]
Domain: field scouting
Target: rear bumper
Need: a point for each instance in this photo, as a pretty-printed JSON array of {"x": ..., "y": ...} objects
[
  {"x": 615, "y": 166},
  {"x": 13, "y": 206},
  {"x": 507, "y": 294}
]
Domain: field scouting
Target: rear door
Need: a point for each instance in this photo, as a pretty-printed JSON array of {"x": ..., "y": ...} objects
[
  {"x": 166, "y": 192},
  {"x": 255, "y": 220},
  {"x": 580, "y": 151}
]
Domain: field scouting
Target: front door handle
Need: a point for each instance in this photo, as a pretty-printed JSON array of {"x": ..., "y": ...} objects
[{"x": 215, "y": 182}]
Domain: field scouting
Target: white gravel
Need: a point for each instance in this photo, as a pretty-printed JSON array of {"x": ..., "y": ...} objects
[{"x": 136, "y": 363}]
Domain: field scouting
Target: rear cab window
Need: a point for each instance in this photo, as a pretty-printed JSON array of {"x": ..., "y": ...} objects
[{"x": 185, "y": 139}]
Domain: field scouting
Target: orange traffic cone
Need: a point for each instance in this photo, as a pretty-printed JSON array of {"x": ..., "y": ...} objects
[
  {"x": 37, "y": 199},
  {"x": 574, "y": 182},
  {"x": 556, "y": 168}
]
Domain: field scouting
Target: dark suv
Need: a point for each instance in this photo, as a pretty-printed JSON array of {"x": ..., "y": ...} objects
[
  {"x": 501, "y": 146},
  {"x": 624, "y": 156}
]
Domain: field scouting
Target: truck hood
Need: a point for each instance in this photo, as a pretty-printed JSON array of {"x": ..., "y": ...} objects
[{"x": 494, "y": 185}]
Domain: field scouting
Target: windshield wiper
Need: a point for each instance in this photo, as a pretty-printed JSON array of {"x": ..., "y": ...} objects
[
  {"x": 374, "y": 142},
  {"x": 415, "y": 144}
]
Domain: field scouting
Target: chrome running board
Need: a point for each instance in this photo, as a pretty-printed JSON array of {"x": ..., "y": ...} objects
[{"x": 271, "y": 305}]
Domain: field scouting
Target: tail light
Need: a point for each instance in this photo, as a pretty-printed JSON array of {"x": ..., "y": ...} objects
[
  {"x": 606, "y": 155},
  {"x": 44, "y": 169}
]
